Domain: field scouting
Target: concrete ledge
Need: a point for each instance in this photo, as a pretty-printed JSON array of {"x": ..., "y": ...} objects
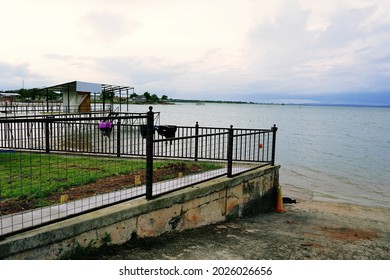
[{"x": 206, "y": 203}]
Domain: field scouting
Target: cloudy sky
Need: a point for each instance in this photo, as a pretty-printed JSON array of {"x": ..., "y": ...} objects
[{"x": 292, "y": 51}]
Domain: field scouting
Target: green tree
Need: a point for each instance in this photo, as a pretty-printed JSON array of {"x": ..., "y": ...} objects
[
  {"x": 50, "y": 95},
  {"x": 32, "y": 93},
  {"x": 164, "y": 98},
  {"x": 154, "y": 98},
  {"x": 107, "y": 95},
  {"x": 147, "y": 95}
]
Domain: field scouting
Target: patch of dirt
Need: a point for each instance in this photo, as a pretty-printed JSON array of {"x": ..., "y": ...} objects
[
  {"x": 104, "y": 185},
  {"x": 349, "y": 234}
]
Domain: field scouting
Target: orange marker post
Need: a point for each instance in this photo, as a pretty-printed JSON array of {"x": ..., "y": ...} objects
[{"x": 279, "y": 202}]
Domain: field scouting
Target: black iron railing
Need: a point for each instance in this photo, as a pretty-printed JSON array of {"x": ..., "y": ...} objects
[
  {"x": 118, "y": 143},
  {"x": 26, "y": 109}
]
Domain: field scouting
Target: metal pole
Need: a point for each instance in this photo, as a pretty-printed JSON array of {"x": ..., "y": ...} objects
[
  {"x": 47, "y": 100},
  {"x": 112, "y": 95},
  {"x": 118, "y": 139},
  {"x": 127, "y": 100},
  {"x": 273, "y": 129},
  {"x": 230, "y": 152},
  {"x": 104, "y": 99},
  {"x": 120, "y": 99},
  {"x": 48, "y": 123},
  {"x": 149, "y": 153},
  {"x": 196, "y": 141},
  {"x": 68, "y": 109}
]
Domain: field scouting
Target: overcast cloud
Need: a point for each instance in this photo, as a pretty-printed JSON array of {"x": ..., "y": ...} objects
[{"x": 252, "y": 50}]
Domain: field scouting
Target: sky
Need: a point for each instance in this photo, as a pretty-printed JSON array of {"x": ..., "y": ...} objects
[{"x": 279, "y": 51}]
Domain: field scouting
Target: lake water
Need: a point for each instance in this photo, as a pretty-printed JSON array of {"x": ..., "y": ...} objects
[{"x": 333, "y": 153}]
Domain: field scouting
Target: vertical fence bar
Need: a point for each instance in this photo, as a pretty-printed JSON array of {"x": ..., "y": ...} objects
[
  {"x": 230, "y": 152},
  {"x": 196, "y": 141},
  {"x": 149, "y": 153},
  {"x": 118, "y": 139},
  {"x": 47, "y": 100},
  {"x": 47, "y": 133},
  {"x": 273, "y": 129}
]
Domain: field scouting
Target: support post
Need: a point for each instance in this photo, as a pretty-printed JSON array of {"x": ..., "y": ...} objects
[
  {"x": 196, "y": 141},
  {"x": 104, "y": 100},
  {"x": 127, "y": 100},
  {"x": 118, "y": 139},
  {"x": 68, "y": 107},
  {"x": 48, "y": 123},
  {"x": 149, "y": 153},
  {"x": 273, "y": 129},
  {"x": 120, "y": 99},
  {"x": 230, "y": 153},
  {"x": 47, "y": 100}
]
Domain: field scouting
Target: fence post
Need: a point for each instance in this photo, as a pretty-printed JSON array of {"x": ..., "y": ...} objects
[
  {"x": 118, "y": 139},
  {"x": 273, "y": 129},
  {"x": 230, "y": 152},
  {"x": 47, "y": 100},
  {"x": 47, "y": 132},
  {"x": 149, "y": 153},
  {"x": 104, "y": 100},
  {"x": 196, "y": 141}
]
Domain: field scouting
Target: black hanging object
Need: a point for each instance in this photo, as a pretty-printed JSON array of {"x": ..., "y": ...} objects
[
  {"x": 107, "y": 124},
  {"x": 168, "y": 131},
  {"x": 106, "y": 128},
  {"x": 143, "y": 130}
]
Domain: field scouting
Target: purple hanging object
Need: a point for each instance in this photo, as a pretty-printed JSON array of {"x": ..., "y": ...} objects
[{"x": 105, "y": 125}]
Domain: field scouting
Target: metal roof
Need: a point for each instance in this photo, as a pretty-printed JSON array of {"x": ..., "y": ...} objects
[
  {"x": 9, "y": 94},
  {"x": 73, "y": 86}
]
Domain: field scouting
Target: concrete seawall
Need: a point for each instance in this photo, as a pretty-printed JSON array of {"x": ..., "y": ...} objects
[{"x": 203, "y": 204}]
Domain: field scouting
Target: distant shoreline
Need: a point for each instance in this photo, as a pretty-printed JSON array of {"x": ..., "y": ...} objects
[
  {"x": 277, "y": 104},
  {"x": 204, "y": 102}
]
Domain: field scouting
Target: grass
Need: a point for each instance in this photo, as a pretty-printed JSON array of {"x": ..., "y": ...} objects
[{"x": 31, "y": 175}]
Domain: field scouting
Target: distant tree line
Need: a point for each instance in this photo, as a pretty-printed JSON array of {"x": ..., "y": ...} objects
[
  {"x": 208, "y": 101},
  {"x": 40, "y": 94},
  {"x": 143, "y": 98},
  {"x": 150, "y": 98},
  {"x": 36, "y": 94}
]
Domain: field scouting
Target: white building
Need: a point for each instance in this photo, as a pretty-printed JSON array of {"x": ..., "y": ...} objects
[{"x": 76, "y": 95}]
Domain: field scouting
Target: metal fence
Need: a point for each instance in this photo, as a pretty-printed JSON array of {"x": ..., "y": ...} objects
[
  {"x": 15, "y": 109},
  {"x": 56, "y": 166}
]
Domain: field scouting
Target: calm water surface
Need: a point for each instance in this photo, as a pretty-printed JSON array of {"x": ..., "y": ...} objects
[{"x": 337, "y": 153}]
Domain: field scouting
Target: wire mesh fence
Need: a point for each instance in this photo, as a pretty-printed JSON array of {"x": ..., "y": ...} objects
[
  {"x": 37, "y": 187},
  {"x": 56, "y": 166}
]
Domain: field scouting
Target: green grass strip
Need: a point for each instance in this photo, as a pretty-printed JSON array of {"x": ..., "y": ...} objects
[{"x": 33, "y": 175}]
